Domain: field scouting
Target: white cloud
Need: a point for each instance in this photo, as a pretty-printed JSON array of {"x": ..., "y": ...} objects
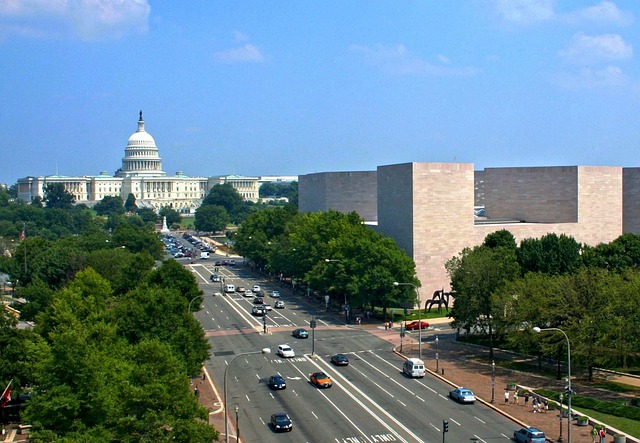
[
  {"x": 605, "y": 12},
  {"x": 240, "y": 36},
  {"x": 525, "y": 11},
  {"x": 243, "y": 54},
  {"x": 597, "y": 48},
  {"x": 83, "y": 19},
  {"x": 398, "y": 60},
  {"x": 588, "y": 78}
]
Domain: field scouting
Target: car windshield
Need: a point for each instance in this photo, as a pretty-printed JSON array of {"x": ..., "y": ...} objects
[
  {"x": 282, "y": 419},
  {"x": 321, "y": 375},
  {"x": 467, "y": 393}
]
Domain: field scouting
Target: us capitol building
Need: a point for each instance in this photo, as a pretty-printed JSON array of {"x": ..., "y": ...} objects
[{"x": 141, "y": 174}]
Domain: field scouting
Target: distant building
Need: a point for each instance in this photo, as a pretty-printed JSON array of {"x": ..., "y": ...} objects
[
  {"x": 141, "y": 174},
  {"x": 431, "y": 211}
]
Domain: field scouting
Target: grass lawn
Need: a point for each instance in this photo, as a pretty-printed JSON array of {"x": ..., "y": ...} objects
[{"x": 630, "y": 427}]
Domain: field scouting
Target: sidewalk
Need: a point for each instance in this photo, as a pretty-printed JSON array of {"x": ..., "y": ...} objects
[{"x": 460, "y": 365}]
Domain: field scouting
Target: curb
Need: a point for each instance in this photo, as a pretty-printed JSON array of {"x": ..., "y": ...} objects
[{"x": 481, "y": 400}]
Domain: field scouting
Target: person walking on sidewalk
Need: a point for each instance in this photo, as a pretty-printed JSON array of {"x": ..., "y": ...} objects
[
  {"x": 594, "y": 434},
  {"x": 526, "y": 399},
  {"x": 515, "y": 397},
  {"x": 506, "y": 397}
]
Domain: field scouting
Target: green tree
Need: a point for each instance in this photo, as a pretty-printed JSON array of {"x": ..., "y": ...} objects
[
  {"x": 211, "y": 218},
  {"x": 148, "y": 215},
  {"x": 130, "y": 205},
  {"x": 621, "y": 254},
  {"x": 257, "y": 234},
  {"x": 476, "y": 274},
  {"x": 224, "y": 195},
  {"x": 121, "y": 268},
  {"x": 109, "y": 205},
  {"x": 56, "y": 196},
  {"x": 551, "y": 254},
  {"x": 500, "y": 239},
  {"x": 138, "y": 238}
]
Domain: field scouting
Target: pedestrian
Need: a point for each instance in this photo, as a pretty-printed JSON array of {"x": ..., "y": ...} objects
[
  {"x": 535, "y": 405},
  {"x": 515, "y": 397},
  {"x": 386, "y": 325},
  {"x": 546, "y": 405},
  {"x": 594, "y": 434},
  {"x": 506, "y": 397},
  {"x": 526, "y": 398},
  {"x": 603, "y": 435}
]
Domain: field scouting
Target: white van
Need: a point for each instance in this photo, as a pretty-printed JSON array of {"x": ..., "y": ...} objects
[
  {"x": 204, "y": 255},
  {"x": 413, "y": 367},
  {"x": 229, "y": 288}
]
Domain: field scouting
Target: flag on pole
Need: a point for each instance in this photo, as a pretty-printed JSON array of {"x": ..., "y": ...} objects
[
  {"x": 6, "y": 395},
  {"x": 22, "y": 234}
]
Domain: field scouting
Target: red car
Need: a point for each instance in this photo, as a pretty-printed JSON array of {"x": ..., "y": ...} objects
[{"x": 415, "y": 325}]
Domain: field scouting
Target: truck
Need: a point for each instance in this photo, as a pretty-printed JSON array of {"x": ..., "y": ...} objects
[{"x": 204, "y": 255}]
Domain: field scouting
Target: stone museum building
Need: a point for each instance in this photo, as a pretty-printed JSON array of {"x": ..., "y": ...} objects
[{"x": 428, "y": 208}]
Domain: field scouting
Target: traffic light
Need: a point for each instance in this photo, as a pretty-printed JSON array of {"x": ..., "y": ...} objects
[
  {"x": 312, "y": 324},
  {"x": 445, "y": 426}
]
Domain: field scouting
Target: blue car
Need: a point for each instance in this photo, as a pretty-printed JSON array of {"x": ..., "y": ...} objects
[
  {"x": 529, "y": 435},
  {"x": 462, "y": 395}
]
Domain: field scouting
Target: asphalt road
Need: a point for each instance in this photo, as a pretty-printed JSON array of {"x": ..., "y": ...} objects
[{"x": 370, "y": 401}]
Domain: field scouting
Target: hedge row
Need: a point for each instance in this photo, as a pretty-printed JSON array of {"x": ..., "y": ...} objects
[{"x": 606, "y": 407}]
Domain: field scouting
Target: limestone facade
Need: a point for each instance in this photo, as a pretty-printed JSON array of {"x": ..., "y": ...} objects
[
  {"x": 427, "y": 208},
  {"x": 342, "y": 191}
]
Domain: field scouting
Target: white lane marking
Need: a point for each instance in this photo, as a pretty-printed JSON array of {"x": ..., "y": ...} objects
[
  {"x": 479, "y": 419},
  {"x": 479, "y": 439},
  {"x": 374, "y": 404},
  {"x": 455, "y": 421},
  {"x": 400, "y": 385}
]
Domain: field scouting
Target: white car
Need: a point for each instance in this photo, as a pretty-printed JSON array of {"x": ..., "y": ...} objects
[
  {"x": 267, "y": 307},
  {"x": 285, "y": 351},
  {"x": 275, "y": 294},
  {"x": 248, "y": 293},
  {"x": 256, "y": 288}
]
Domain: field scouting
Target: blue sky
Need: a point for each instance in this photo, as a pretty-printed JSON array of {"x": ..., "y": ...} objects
[{"x": 295, "y": 87}]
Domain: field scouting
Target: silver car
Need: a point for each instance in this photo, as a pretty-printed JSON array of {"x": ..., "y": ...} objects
[{"x": 462, "y": 395}]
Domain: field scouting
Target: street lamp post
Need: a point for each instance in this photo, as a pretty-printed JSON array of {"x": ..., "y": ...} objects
[
  {"x": 237, "y": 424},
  {"x": 346, "y": 305},
  {"x": 226, "y": 415},
  {"x": 395, "y": 283},
  {"x": 437, "y": 357},
  {"x": 493, "y": 381},
  {"x": 561, "y": 398},
  {"x": 568, "y": 389}
]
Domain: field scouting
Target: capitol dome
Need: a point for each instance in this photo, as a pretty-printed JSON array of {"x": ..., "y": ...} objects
[{"x": 141, "y": 155}]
